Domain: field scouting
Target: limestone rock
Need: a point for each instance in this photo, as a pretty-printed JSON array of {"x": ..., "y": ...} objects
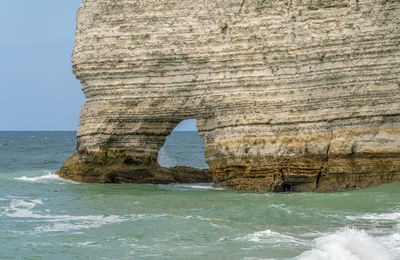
[{"x": 293, "y": 95}]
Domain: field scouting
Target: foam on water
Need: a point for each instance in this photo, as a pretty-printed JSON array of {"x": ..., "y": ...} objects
[
  {"x": 377, "y": 217},
  {"x": 198, "y": 217},
  {"x": 269, "y": 237},
  {"x": 201, "y": 187},
  {"x": 20, "y": 208},
  {"x": 48, "y": 177},
  {"x": 79, "y": 223},
  {"x": 349, "y": 244},
  {"x": 188, "y": 187},
  {"x": 392, "y": 241},
  {"x": 281, "y": 207}
]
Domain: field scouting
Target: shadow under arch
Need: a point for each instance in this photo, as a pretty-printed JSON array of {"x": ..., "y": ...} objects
[{"x": 183, "y": 147}]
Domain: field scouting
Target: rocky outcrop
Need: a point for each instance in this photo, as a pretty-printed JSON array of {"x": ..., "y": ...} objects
[{"x": 291, "y": 95}]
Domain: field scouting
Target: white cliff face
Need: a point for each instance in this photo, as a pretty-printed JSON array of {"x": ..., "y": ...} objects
[{"x": 296, "y": 95}]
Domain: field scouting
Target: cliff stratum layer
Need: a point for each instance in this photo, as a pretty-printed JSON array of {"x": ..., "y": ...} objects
[{"x": 290, "y": 95}]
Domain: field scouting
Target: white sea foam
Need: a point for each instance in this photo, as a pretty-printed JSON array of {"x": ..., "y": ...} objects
[
  {"x": 269, "y": 237},
  {"x": 79, "y": 223},
  {"x": 199, "y": 218},
  {"x": 216, "y": 225},
  {"x": 49, "y": 177},
  {"x": 85, "y": 244},
  {"x": 185, "y": 187},
  {"x": 139, "y": 246},
  {"x": 201, "y": 187},
  {"x": 208, "y": 187},
  {"x": 394, "y": 216},
  {"x": 281, "y": 207},
  {"x": 349, "y": 244},
  {"x": 20, "y": 208},
  {"x": 392, "y": 241}
]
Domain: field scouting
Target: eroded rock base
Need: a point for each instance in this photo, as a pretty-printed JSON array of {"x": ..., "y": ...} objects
[
  {"x": 110, "y": 169},
  {"x": 332, "y": 161},
  {"x": 313, "y": 174}
]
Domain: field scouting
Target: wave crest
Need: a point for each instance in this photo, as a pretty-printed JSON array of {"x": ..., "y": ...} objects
[
  {"x": 269, "y": 237},
  {"x": 347, "y": 244},
  {"x": 49, "y": 177}
]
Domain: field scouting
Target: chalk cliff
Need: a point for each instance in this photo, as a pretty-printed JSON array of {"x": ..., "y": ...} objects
[{"x": 290, "y": 95}]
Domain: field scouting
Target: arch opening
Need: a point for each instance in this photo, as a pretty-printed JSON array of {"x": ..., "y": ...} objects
[{"x": 183, "y": 147}]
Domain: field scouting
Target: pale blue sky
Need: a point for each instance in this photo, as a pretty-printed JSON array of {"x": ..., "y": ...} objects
[{"x": 37, "y": 89}]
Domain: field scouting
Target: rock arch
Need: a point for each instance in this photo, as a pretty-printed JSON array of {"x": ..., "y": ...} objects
[
  {"x": 289, "y": 95},
  {"x": 183, "y": 147}
]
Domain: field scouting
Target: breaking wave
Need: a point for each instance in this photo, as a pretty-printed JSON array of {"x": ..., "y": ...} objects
[
  {"x": 189, "y": 187},
  {"x": 199, "y": 186},
  {"x": 394, "y": 216},
  {"x": 19, "y": 208},
  {"x": 269, "y": 237},
  {"x": 49, "y": 177},
  {"x": 349, "y": 244}
]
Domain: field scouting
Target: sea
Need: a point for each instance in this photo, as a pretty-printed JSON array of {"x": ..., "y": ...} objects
[{"x": 45, "y": 217}]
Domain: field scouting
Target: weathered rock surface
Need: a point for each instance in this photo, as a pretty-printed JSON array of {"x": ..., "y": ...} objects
[{"x": 299, "y": 95}]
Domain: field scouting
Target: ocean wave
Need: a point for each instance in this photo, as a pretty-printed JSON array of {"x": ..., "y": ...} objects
[
  {"x": 21, "y": 208},
  {"x": 269, "y": 237},
  {"x": 216, "y": 225},
  {"x": 201, "y": 187},
  {"x": 87, "y": 244},
  {"x": 349, "y": 244},
  {"x": 281, "y": 207},
  {"x": 392, "y": 241},
  {"x": 186, "y": 187},
  {"x": 393, "y": 216},
  {"x": 197, "y": 217},
  {"x": 49, "y": 177},
  {"x": 79, "y": 223},
  {"x": 65, "y": 223}
]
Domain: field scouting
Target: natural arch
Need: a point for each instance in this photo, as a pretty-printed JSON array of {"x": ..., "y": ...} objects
[
  {"x": 283, "y": 101},
  {"x": 183, "y": 147}
]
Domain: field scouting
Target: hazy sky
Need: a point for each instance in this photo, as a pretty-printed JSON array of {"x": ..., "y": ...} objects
[{"x": 37, "y": 89}]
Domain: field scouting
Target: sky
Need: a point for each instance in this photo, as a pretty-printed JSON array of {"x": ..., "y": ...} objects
[{"x": 38, "y": 91}]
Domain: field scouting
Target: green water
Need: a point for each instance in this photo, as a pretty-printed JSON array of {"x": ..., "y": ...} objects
[{"x": 45, "y": 217}]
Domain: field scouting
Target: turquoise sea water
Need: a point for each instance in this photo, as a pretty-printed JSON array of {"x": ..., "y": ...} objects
[{"x": 45, "y": 217}]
